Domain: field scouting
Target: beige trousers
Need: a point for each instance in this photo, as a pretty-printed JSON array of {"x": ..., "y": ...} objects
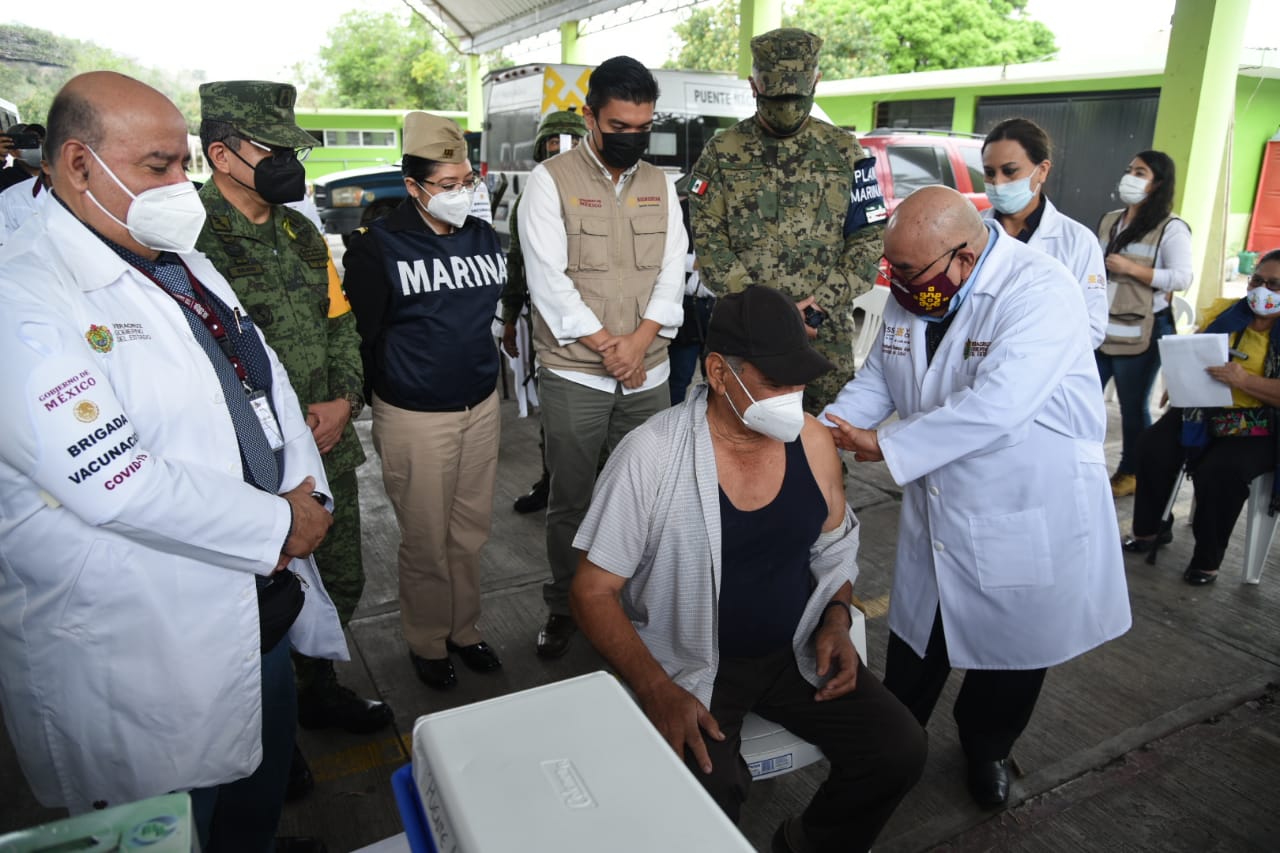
[{"x": 439, "y": 469}]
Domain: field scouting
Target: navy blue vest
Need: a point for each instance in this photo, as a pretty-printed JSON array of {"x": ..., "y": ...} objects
[{"x": 436, "y": 352}]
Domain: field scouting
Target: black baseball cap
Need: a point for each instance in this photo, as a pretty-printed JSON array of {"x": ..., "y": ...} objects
[{"x": 763, "y": 326}]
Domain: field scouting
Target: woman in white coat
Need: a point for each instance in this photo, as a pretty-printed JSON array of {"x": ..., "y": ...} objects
[
  {"x": 1008, "y": 560},
  {"x": 1015, "y": 164}
]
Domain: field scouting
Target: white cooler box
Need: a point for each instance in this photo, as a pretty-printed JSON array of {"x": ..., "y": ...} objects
[{"x": 569, "y": 767}]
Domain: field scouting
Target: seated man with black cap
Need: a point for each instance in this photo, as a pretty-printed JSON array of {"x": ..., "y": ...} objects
[{"x": 716, "y": 576}]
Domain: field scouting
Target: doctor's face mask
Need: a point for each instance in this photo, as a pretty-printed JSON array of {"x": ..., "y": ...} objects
[{"x": 926, "y": 296}]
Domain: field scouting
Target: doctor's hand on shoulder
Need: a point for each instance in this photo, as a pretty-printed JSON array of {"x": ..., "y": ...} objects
[
  {"x": 309, "y": 523},
  {"x": 864, "y": 443}
]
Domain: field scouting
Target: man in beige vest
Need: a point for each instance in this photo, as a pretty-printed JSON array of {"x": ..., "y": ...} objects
[{"x": 604, "y": 249}]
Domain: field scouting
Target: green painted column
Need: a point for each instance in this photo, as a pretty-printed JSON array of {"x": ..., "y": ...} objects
[
  {"x": 755, "y": 17},
  {"x": 1193, "y": 123},
  {"x": 963, "y": 112},
  {"x": 569, "y": 53},
  {"x": 475, "y": 93}
]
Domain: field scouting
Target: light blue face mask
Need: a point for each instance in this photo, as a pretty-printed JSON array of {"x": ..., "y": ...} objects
[{"x": 1011, "y": 197}]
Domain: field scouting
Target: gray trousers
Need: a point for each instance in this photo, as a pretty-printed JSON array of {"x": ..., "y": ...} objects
[{"x": 578, "y": 423}]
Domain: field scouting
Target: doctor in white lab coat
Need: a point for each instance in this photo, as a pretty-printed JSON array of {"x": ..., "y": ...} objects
[
  {"x": 130, "y": 542},
  {"x": 1015, "y": 164},
  {"x": 1008, "y": 555}
]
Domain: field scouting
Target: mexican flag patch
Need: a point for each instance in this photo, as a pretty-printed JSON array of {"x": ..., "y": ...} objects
[{"x": 698, "y": 187}]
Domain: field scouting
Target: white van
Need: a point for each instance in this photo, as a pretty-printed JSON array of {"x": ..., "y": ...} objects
[{"x": 8, "y": 114}]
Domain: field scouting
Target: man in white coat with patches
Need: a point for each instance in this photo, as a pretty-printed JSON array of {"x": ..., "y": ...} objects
[
  {"x": 1008, "y": 555},
  {"x": 156, "y": 481}
]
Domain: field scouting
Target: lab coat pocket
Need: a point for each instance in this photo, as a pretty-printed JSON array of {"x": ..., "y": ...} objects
[{"x": 1012, "y": 550}]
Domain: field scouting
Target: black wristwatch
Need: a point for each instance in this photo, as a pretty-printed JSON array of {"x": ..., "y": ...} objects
[
  {"x": 848, "y": 609},
  {"x": 356, "y": 402}
]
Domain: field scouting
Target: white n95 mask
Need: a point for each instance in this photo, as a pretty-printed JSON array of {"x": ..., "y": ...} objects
[
  {"x": 166, "y": 219},
  {"x": 780, "y": 417},
  {"x": 451, "y": 207}
]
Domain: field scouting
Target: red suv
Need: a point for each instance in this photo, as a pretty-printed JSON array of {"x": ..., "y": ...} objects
[{"x": 908, "y": 159}]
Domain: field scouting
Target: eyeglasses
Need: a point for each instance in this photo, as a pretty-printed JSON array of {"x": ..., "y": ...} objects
[
  {"x": 1272, "y": 284},
  {"x": 896, "y": 278},
  {"x": 301, "y": 153},
  {"x": 467, "y": 184}
]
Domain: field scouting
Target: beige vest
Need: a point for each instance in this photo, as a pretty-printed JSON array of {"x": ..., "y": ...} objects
[
  {"x": 615, "y": 254},
  {"x": 1130, "y": 318}
]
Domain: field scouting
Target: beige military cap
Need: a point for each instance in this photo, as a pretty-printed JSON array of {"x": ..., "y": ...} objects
[{"x": 433, "y": 138}]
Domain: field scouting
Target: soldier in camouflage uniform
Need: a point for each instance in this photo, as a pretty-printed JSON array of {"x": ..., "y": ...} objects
[
  {"x": 515, "y": 295},
  {"x": 280, "y": 268},
  {"x": 790, "y": 201}
]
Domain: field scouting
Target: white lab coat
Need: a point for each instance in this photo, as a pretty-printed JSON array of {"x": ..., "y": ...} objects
[
  {"x": 1061, "y": 237},
  {"x": 129, "y": 643},
  {"x": 1007, "y": 518}
]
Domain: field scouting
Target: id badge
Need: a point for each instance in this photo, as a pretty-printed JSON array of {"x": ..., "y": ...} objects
[{"x": 266, "y": 417}]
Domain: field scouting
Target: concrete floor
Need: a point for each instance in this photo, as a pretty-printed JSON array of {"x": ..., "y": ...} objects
[{"x": 1168, "y": 738}]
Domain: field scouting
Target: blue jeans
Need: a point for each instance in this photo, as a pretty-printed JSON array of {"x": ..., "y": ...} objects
[
  {"x": 242, "y": 816},
  {"x": 1134, "y": 376}
]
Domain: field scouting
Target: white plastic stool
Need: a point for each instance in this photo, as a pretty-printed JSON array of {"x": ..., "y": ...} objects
[
  {"x": 769, "y": 749},
  {"x": 1260, "y": 528}
]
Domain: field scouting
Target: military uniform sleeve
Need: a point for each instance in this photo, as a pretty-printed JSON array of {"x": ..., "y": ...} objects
[
  {"x": 719, "y": 267},
  {"x": 515, "y": 293},
  {"x": 366, "y": 288},
  {"x": 345, "y": 366},
  {"x": 863, "y": 246}
]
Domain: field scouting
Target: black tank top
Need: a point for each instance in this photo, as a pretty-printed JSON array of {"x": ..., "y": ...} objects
[{"x": 765, "y": 580}]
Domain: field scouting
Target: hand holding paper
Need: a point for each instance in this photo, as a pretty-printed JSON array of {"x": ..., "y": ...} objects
[{"x": 1184, "y": 359}]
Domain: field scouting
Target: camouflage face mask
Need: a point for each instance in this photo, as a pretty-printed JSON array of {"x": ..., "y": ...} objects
[{"x": 784, "y": 114}]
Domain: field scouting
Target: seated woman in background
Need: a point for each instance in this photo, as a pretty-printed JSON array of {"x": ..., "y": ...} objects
[{"x": 1225, "y": 448}]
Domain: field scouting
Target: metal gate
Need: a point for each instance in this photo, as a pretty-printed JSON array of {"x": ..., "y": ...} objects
[{"x": 1095, "y": 135}]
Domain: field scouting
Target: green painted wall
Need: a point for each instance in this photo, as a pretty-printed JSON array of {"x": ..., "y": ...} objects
[
  {"x": 325, "y": 160},
  {"x": 1257, "y": 120}
]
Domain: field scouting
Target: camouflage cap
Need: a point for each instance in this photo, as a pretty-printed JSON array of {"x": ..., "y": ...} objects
[
  {"x": 433, "y": 137},
  {"x": 785, "y": 61},
  {"x": 557, "y": 124},
  {"x": 258, "y": 109}
]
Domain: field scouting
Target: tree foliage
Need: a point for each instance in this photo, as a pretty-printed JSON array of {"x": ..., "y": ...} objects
[
  {"x": 867, "y": 37},
  {"x": 385, "y": 61},
  {"x": 34, "y": 64}
]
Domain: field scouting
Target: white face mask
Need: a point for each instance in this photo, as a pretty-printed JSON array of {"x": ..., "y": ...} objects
[
  {"x": 451, "y": 207},
  {"x": 166, "y": 219},
  {"x": 780, "y": 417},
  {"x": 1011, "y": 197},
  {"x": 1263, "y": 302},
  {"x": 1132, "y": 189}
]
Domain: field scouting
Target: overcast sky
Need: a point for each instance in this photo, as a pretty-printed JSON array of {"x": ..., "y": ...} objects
[{"x": 244, "y": 39}]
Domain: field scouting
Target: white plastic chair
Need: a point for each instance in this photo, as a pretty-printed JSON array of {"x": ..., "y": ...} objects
[
  {"x": 1259, "y": 529},
  {"x": 1184, "y": 314},
  {"x": 872, "y": 305},
  {"x": 768, "y": 748}
]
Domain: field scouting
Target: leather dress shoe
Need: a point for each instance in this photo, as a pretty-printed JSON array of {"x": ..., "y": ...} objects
[
  {"x": 536, "y": 499},
  {"x": 301, "y": 782},
  {"x": 553, "y": 639},
  {"x": 332, "y": 706},
  {"x": 300, "y": 844},
  {"x": 436, "y": 673},
  {"x": 989, "y": 782},
  {"x": 478, "y": 657},
  {"x": 1136, "y": 545},
  {"x": 1196, "y": 577}
]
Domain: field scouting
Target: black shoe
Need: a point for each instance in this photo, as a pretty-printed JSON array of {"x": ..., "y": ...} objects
[
  {"x": 437, "y": 674},
  {"x": 1136, "y": 545},
  {"x": 1196, "y": 577},
  {"x": 553, "y": 639},
  {"x": 536, "y": 499},
  {"x": 332, "y": 706},
  {"x": 300, "y": 844},
  {"x": 790, "y": 838},
  {"x": 989, "y": 782},
  {"x": 301, "y": 782},
  {"x": 478, "y": 657}
]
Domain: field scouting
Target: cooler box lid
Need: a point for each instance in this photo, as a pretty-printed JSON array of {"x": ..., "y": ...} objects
[{"x": 570, "y": 767}]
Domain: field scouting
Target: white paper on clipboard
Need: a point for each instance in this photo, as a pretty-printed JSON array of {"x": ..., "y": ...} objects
[{"x": 1183, "y": 358}]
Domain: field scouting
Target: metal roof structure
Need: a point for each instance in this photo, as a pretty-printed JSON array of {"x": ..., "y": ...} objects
[{"x": 484, "y": 25}]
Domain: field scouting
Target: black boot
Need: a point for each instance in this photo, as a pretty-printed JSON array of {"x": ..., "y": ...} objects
[
  {"x": 536, "y": 499},
  {"x": 301, "y": 782},
  {"x": 324, "y": 703}
]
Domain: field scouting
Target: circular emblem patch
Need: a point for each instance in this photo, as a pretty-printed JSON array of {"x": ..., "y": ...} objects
[
  {"x": 99, "y": 337},
  {"x": 86, "y": 411},
  {"x": 153, "y": 831}
]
